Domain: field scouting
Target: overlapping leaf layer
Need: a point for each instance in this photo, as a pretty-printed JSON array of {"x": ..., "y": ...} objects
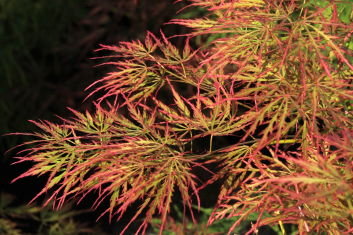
[{"x": 267, "y": 99}]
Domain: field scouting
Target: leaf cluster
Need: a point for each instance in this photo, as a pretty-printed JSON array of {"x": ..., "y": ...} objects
[{"x": 268, "y": 103}]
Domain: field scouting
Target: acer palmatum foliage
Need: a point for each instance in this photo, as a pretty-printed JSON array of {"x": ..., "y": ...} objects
[{"x": 269, "y": 95}]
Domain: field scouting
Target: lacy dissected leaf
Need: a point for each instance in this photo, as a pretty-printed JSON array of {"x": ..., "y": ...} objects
[
  {"x": 141, "y": 69},
  {"x": 116, "y": 156},
  {"x": 313, "y": 191}
]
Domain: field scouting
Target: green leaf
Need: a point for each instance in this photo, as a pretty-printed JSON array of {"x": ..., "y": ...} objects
[{"x": 345, "y": 11}]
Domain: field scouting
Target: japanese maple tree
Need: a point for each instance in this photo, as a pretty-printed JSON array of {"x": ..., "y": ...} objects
[{"x": 263, "y": 105}]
